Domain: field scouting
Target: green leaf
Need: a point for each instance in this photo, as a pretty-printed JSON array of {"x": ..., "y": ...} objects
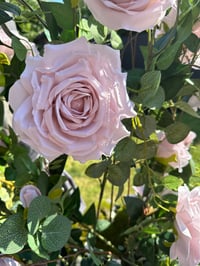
[
  {"x": 187, "y": 89},
  {"x": 102, "y": 225},
  {"x": 134, "y": 207},
  {"x": 96, "y": 170},
  {"x": 148, "y": 126},
  {"x": 60, "y": 17},
  {"x": 116, "y": 41},
  {"x": 172, "y": 182},
  {"x": 145, "y": 150},
  {"x": 176, "y": 132},
  {"x": 157, "y": 100},
  {"x": 4, "y": 17},
  {"x": 71, "y": 205},
  {"x": 120, "y": 191},
  {"x": 19, "y": 48},
  {"x": 53, "y": 28},
  {"x": 98, "y": 31},
  {"x": 13, "y": 234},
  {"x": 165, "y": 40},
  {"x": 124, "y": 150},
  {"x": 57, "y": 190},
  {"x": 184, "y": 29},
  {"x": 35, "y": 245},
  {"x": 56, "y": 231},
  {"x": 133, "y": 78},
  {"x": 57, "y": 166},
  {"x": 39, "y": 208},
  {"x": 150, "y": 86},
  {"x": 192, "y": 43},
  {"x": 166, "y": 59},
  {"x": 10, "y": 8},
  {"x": 185, "y": 107},
  {"x": 90, "y": 216},
  {"x": 151, "y": 230},
  {"x": 118, "y": 173}
]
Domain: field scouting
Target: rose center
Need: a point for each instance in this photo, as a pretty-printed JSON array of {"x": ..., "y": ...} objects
[{"x": 77, "y": 104}]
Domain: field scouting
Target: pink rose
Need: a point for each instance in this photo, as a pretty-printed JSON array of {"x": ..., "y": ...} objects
[
  {"x": 5, "y": 39},
  {"x": 72, "y": 101},
  {"x": 187, "y": 224},
  {"x": 7, "y": 261},
  {"x": 177, "y": 155},
  {"x": 138, "y": 15},
  {"x": 194, "y": 101},
  {"x": 27, "y": 194}
]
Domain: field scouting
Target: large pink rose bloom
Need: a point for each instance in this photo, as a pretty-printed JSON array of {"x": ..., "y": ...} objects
[
  {"x": 187, "y": 224},
  {"x": 177, "y": 155},
  {"x": 134, "y": 15},
  {"x": 72, "y": 101}
]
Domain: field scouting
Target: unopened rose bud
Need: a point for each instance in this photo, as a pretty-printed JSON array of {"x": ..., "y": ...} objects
[{"x": 27, "y": 194}]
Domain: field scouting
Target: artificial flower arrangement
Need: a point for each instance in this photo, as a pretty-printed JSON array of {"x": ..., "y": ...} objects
[{"x": 116, "y": 84}]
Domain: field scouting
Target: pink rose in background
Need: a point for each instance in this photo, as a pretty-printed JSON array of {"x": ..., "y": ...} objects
[
  {"x": 138, "y": 15},
  {"x": 179, "y": 150},
  {"x": 194, "y": 101},
  {"x": 7, "y": 261},
  {"x": 187, "y": 56},
  {"x": 187, "y": 224},
  {"x": 72, "y": 101},
  {"x": 5, "y": 39},
  {"x": 6, "y": 46},
  {"x": 27, "y": 194}
]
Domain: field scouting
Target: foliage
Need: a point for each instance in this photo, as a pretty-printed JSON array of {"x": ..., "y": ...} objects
[{"x": 136, "y": 225}]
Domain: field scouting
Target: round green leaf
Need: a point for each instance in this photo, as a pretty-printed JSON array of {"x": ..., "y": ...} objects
[
  {"x": 176, "y": 132},
  {"x": 13, "y": 234},
  {"x": 118, "y": 173},
  {"x": 96, "y": 170},
  {"x": 39, "y": 208},
  {"x": 56, "y": 231}
]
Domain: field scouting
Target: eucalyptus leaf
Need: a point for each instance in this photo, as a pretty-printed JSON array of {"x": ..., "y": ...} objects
[
  {"x": 57, "y": 165},
  {"x": 10, "y": 8},
  {"x": 148, "y": 126},
  {"x": 167, "y": 58},
  {"x": 19, "y": 48},
  {"x": 4, "y": 17},
  {"x": 176, "y": 132},
  {"x": 118, "y": 173},
  {"x": 56, "y": 231},
  {"x": 13, "y": 234},
  {"x": 185, "y": 107},
  {"x": 119, "y": 192},
  {"x": 35, "y": 245},
  {"x": 145, "y": 150},
  {"x": 90, "y": 216},
  {"x": 184, "y": 29},
  {"x": 39, "y": 208},
  {"x": 134, "y": 207},
  {"x": 125, "y": 150},
  {"x": 96, "y": 170},
  {"x": 150, "y": 84}
]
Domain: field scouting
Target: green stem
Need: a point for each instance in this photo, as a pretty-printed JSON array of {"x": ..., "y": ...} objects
[
  {"x": 101, "y": 194},
  {"x": 111, "y": 202}
]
